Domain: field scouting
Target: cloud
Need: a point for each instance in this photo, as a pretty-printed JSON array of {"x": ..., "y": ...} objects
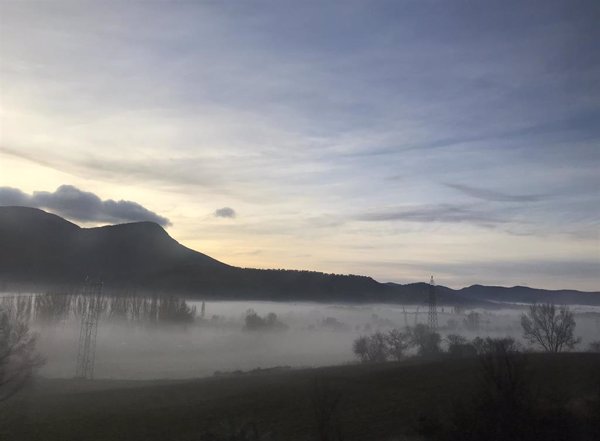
[
  {"x": 445, "y": 213},
  {"x": 70, "y": 202},
  {"x": 226, "y": 212},
  {"x": 12, "y": 196},
  {"x": 494, "y": 196}
]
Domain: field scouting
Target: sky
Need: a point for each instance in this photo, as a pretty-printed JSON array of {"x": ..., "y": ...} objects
[{"x": 395, "y": 139}]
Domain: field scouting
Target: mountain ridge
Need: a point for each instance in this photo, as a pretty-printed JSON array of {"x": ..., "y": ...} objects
[{"x": 43, "y": 248}]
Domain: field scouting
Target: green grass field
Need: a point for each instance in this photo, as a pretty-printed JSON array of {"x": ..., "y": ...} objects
[{"x": 378, "y": 402}]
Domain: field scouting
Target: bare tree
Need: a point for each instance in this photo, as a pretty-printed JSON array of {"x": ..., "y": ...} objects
[
  {"x": 325, "y": 401},
  {"x": 371, "y": 348},
  {"x": 397, "y": 343},
  {"x": 359, "y": 346},
  {"x": 18, "y": 357},
  {"x": 500, "y": 408},
  {"x": 472, "y": 321},
  {"x": 377, "y": 349},
  {"x": 549, "y": 327},
  {"x": 459, "y": 346}
]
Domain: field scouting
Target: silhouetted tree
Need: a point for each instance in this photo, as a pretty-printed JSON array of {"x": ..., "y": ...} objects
[
  {"x": 501, "y": 407},
  {"x": 333, "y": 324},
  {"x": 427, "y": 342},
  {"x": 459, "y": 346},
  {"x": 472, "y": 321},
  {"x": 371, "y": 348},
  {"x": 325, "y": 402},
  {"x": 18, "y": 357},
  {"x": 456, "y": 340},
  {"x": 271, "y": 319},
  {"x": 377, "y": 349},
  {"x": 502, "y": 366},
  {"x": 549, "y": 327},
  {"x": 172, "y": 309},
  {"x": 397, "y": 343},
  {"x": 359, "y": 347},
  {"x": 503, "y": 402},
  {"x": 254, "y": 322}
]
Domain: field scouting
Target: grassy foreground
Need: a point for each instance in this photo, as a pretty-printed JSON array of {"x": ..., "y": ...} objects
[{"x": 377, "y": 402}]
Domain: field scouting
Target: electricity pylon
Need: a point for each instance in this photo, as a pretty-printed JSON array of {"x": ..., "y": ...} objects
[
  {"x": 433, "y": 318},
  {"x": 86, "y": 356}
]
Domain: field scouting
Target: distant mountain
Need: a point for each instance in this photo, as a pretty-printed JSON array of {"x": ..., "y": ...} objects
[
  {"x": 40, "y": 246},
  {"x": 523, "y": 294},
  {"x": 41, "y": 249}
]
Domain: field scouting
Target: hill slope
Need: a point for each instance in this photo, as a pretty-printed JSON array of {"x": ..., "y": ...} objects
[{"x": 42, "y": 248}]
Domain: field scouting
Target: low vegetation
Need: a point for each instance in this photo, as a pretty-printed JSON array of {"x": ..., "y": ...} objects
[
  {"x": 543, "y": 325},
  {"x": 270, "y": 322}
]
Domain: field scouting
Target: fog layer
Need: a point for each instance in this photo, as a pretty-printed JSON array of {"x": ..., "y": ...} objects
[{"x": 219, "y": 339}]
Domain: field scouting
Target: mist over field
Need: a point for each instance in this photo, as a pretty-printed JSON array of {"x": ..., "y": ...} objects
[{"x": 313, "y": 334}]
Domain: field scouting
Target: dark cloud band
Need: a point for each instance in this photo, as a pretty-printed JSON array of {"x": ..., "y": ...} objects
[{"x": 71, "y": 202}]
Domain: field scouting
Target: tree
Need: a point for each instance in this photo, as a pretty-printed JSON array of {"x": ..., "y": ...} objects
[
  {"x": 459, "y": 346},
  {"x": 325, "y": 402},
  {"x": 398, "y": 342},
  {"x": 427, "y": 342},
  {"x": 359, "y": 347},
  {"x": 472, "y": 321},
  {"x": 18, "y": 357},
  {"x": 501, "y": 405},
  {"x": 371, "y": 348},
  {"x": 377, "y": 349},
  {"x": 594, "y": 346},
  {"x": 456, "y": 340},
  {"x": 549, "y": 327}
]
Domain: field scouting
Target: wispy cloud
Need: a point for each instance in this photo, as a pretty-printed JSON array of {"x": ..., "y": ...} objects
[
  {"x": 494, "y": 196},
  {"x": 443, "y": 213},
  {"x": 297, "y": 120},
  {"x": 70, "y": 202}
]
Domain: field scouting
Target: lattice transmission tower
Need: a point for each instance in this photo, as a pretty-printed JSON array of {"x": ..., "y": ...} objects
[
  {"x": 86, "y": 356},
  {"x": 433, "y": 317}
]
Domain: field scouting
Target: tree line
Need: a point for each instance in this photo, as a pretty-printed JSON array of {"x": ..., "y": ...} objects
[
  {"x": 545, "y": 326},
  {"x": 57, "y": 307}
]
